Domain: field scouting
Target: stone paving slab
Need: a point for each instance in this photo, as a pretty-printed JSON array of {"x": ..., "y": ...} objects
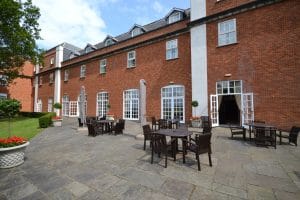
[{"x": 62, "y": 163}]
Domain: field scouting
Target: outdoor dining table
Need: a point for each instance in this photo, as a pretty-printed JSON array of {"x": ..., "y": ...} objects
[
  {"x": 108, "y": 124},
  {"x": 257, "y": 125},
  {"x": 175, "y": 134}
]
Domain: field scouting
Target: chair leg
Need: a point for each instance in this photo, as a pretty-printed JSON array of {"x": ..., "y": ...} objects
[
  {"x": 198, "y": 161},
  {"x": 144, "y": 144},
  {"x": 152, "y": 156},
  {"x": 209, "y": 158},
  {"x": 166, "y": 158}
]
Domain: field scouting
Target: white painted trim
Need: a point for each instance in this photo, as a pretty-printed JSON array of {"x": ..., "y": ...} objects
[
  {"x": 131, "y": 104},
  {"x": 199, "y": 69},
  {"x": 198, "y": 9},
  {"x": 57, "y": 85}
]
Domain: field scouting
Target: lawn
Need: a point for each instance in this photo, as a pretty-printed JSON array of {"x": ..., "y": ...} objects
[{"x": 20, "y": 126}]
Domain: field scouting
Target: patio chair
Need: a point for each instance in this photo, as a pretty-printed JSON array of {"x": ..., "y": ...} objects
[
  {"x": 155, "y": 123},
  {"x": 160, "y": 146},
  {"x": 118, "y": 128},
  {"x": 147, "y": 134},
  {"x": 80, "y": 124},
  {"x": 237, "y": 130},
  {"x": 199, "y": 145},
  {"x": 163, "y": 124},
  {"x": 98, "y": 127},
  {"x": 122, "y": 122},
  {"x": 91, "y": 130},
  {"x": 292, "y": 135},
  {"x": 265, "y": 136}
]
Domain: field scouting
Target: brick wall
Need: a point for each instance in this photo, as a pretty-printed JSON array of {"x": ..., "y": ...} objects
[
  {"x": 46, "y": 90},
  {"x": 214, "y": 6},
  {"x": 266, "y": 57},
  {"x": 21, "y": 88},
  {"x": 151, "y": 65}
]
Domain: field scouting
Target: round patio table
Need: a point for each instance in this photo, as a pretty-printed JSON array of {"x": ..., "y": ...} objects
[{"x": 181, "y": 133}]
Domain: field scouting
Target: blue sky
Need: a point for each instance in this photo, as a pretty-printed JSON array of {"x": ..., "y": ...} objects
[{"x": 89, "y": 21}]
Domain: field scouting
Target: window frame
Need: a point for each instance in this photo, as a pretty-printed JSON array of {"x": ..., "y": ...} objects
[
  {"x": 221, "y": 86},
  {"x": 66, "y": 74},
  {"x": 170, "y": 48},
  {"x": 227, "y": 33},
  {"x": 108, "y": 42},
  {"x": 174, "y": 17},
  {"x": 103, "y": 66},
  {"x": 102, "y": 97},
  {"x": 50, "y": 105},
  {"x": 40, "y": 80},
  {"x": 136, "y": 31},
  {"x": 82, "y": 71},
  {"x": 51, "y": 78},
  {"x": 132, "y": 100},
  {"x": 51, "y": 61},
  {"x": 129, "y": 60}
]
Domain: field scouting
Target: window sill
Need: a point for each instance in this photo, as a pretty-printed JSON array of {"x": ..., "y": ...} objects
[
  {"x": 102, "y": 73},
  {"x": 225, "y": 45},
  {"x": 131, "y": 67},
  {"x": 172, "y": 59},
  {"x": 82, "y": 77},
  {"x": 66, "y": 81}
]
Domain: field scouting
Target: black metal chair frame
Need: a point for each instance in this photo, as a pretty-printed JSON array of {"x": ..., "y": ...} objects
[
  {"x": 238, "y": 130},
  {"x": 292, "y": 136}
]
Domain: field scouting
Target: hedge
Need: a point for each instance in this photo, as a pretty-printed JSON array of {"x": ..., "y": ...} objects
[
  {"x": 33, "y": 114},
  {"x": 46, "y": 120}
]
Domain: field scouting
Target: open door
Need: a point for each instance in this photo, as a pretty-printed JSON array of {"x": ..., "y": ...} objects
[
  {"x": 214, "y": 113},
  {"x": 247, "y": 108}
]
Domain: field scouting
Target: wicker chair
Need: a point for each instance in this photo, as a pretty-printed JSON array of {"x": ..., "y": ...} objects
[
  {"x": 98, "y": 127},
  {"x": 163, "y": 124},
  {"x": 237, "y": 130},
  {"x": 292, "y": 136},
  {"x": 160, "y": 146},
  {"x": 265, "y": 136},
  {"x": 147, "y": 134},
  {"x": 118, "y": 128},
  {"x": 199, "y": 145}
]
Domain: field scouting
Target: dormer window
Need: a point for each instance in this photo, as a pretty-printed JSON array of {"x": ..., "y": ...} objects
[
  {"x": 175, "y": 17},
  {"x": 108, "y": 42},
  {"x": 88, "y": 49},
  {"x": 136, "y": 31},
  {"x": 72, "y": 56}
]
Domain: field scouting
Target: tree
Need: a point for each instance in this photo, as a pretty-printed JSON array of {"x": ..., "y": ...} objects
[
  {"x": 9, "y": 108},
  {"x": 19, "y": 30}
]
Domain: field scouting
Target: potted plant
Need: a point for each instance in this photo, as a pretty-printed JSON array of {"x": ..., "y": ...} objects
[
  {"x": 195, "y": 120},
  {"x": 57, "y": 120},
  {"x": 12, "y": 151}
]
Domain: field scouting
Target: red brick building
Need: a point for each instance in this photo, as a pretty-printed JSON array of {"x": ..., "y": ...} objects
[
  {"x": 238, "y": 58},
  {"x": 20, "y": 88}
]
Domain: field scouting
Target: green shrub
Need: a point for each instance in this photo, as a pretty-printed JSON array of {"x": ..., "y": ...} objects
[
  {"x": 33, "y": 114},
  {"x": 46, "y": 120}
]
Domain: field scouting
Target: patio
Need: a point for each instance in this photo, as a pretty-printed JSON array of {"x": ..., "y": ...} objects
[{"x": 63, "y": 163}]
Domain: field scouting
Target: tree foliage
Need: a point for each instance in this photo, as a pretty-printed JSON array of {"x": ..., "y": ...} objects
[
  {"x": 19, "y": 30},
  {"x": 9, "y": 108}
]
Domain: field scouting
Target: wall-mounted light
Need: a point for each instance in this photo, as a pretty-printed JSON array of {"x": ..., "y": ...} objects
[
  {"x": 171, "y": 82},
  {"x": 227, "y": 75}
]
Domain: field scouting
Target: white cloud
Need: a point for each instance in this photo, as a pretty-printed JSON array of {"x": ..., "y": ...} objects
[
  {"x": 73, "y": 21},
  {"x": 158, "y": 7}
]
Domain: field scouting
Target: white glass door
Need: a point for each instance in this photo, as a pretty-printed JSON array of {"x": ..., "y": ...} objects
[
  {"x": 131, "y": 104},
  {"x": 248, "y": 108},
  {"x": 65, "y": 105},
  {"x": 172, "y": 101},
  {"x": 214, "y": 112}
]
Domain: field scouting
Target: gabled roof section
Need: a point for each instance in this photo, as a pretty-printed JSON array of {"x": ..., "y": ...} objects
[
  {"x": 110, "y": 37},
  {"x": 137, "y": 26},
  {"x": 174, "y": 10},
  {"x": 91, "y": 46}
]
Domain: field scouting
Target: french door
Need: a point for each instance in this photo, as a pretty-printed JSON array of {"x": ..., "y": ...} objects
[
  {"x": 172, "y": 101},
  {"x": 214, "y": 110},
  {"x": 248, "y": 108},
  {"x": 131, "y": 104},
  {"x": 73, "y": 109}
]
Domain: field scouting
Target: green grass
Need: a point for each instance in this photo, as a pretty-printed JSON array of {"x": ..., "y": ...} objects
[{"x": 20, "y": 126}]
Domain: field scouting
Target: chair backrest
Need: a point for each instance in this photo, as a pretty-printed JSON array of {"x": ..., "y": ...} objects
[
  {"x": 203, "y": 141},
  {"x": 206, "y": 124},
  {"x": 103, "y": 117},
  {"x": 118, "y": 127},
  {"x": 158, "y": 142},
  {"x": 122, "y": 122},
  {"x": 294, "y": 132},
  {"x": 153, "y": 120},
  {"x": 163, "y": 123},
  {"x": 147, "y": 129}
]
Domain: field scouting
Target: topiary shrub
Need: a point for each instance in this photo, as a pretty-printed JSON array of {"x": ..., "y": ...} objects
[{"x": 46, "y": 120}]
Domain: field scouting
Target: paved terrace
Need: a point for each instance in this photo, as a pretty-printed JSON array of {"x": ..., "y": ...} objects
[{"x": 65, "y": 164}]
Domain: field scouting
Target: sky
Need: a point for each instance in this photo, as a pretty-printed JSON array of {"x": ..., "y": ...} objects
[{"x": 89, "y": 21}]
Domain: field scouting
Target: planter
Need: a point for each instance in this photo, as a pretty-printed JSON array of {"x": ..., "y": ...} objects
[
  {"x": 196, "y": 123},
  {"x": 57, "y": 122},
  {"x": 12, "y": 156},
  {"x": 110, "y": 117}
]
